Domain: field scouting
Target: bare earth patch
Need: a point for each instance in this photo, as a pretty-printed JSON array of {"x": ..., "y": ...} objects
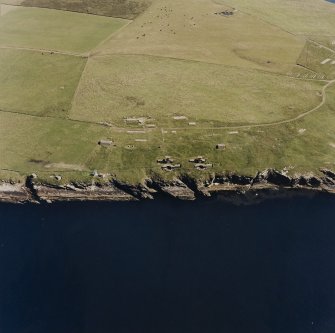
[{"x": 65, "y": 166}]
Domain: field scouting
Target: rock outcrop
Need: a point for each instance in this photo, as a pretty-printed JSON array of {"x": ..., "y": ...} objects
[
  {"x": 14, "y": 193},
  {"x": 73, "y": 192},
  {"x": 232, "y": 187},
  {"x": 175, "y": 189}
]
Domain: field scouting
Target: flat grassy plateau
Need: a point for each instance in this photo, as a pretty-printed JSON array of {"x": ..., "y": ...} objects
[{"x": 165, "y": 78}]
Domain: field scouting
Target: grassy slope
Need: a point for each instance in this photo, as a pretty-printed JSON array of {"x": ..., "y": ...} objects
[
  {"x": 61, "y": 141},
  {"x": 191, "y": 30},
  {"x": 55, "y": 30},
  {"x": 305, "y": 17},
  {"x": 38, "y": 84},
  {"x": 55, "y": 142},
  {"x": 117, "y": 87},
  {"x": 49, "y": 141}
]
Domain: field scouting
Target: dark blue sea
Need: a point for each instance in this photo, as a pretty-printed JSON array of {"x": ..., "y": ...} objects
[{"x": 168, "y": 267}]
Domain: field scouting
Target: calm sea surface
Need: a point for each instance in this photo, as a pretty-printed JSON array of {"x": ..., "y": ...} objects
[{"x": 168, "y": 266}]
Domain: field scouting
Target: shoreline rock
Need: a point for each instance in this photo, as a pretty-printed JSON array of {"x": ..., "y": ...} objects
[
  {"x": 232, "y": 187},
  {"x": 14, "y": 193},
  {"x": 74, "y": 193}
]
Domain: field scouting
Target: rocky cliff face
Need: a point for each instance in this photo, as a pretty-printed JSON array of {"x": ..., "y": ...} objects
[
  {"x": 231, "y": 187},
  {"x": 14, "y": 193}
]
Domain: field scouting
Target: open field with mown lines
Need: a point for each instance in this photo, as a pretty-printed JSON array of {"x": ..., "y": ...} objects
[{"x": 176, "y": 80}]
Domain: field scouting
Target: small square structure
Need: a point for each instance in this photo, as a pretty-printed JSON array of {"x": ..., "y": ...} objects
[
  {"x": 220, "y": 146},
  {"x": 105, "y": 143}
]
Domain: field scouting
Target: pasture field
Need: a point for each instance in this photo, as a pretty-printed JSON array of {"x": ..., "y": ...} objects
[
  {"x": 38, "y": 84},
  {"x": 68, "y": 148},
  {"x": 299, "y": 17},
  {"x": 117, "y": 87},
  {"x": 54, "y": 30},
  {"x": 179, "y": 79},
  {"x": 191, "y": 30},
  {"x": 128, "y": 9},
  {"x": 30, "y": 143}
]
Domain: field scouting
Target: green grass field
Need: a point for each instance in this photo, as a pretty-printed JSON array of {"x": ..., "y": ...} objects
[
  {"x": 38, "y": 143},
  {"x": 301, "y": 17},
  {"x": 192, "y": 30},
  {"x": 253, "y": 80},
  {"x": 36, "y": 83},
  {"x": 117, "y": 87},
  {"x": 54, "y": 30},
  {"x": 69, "y": 148}
]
